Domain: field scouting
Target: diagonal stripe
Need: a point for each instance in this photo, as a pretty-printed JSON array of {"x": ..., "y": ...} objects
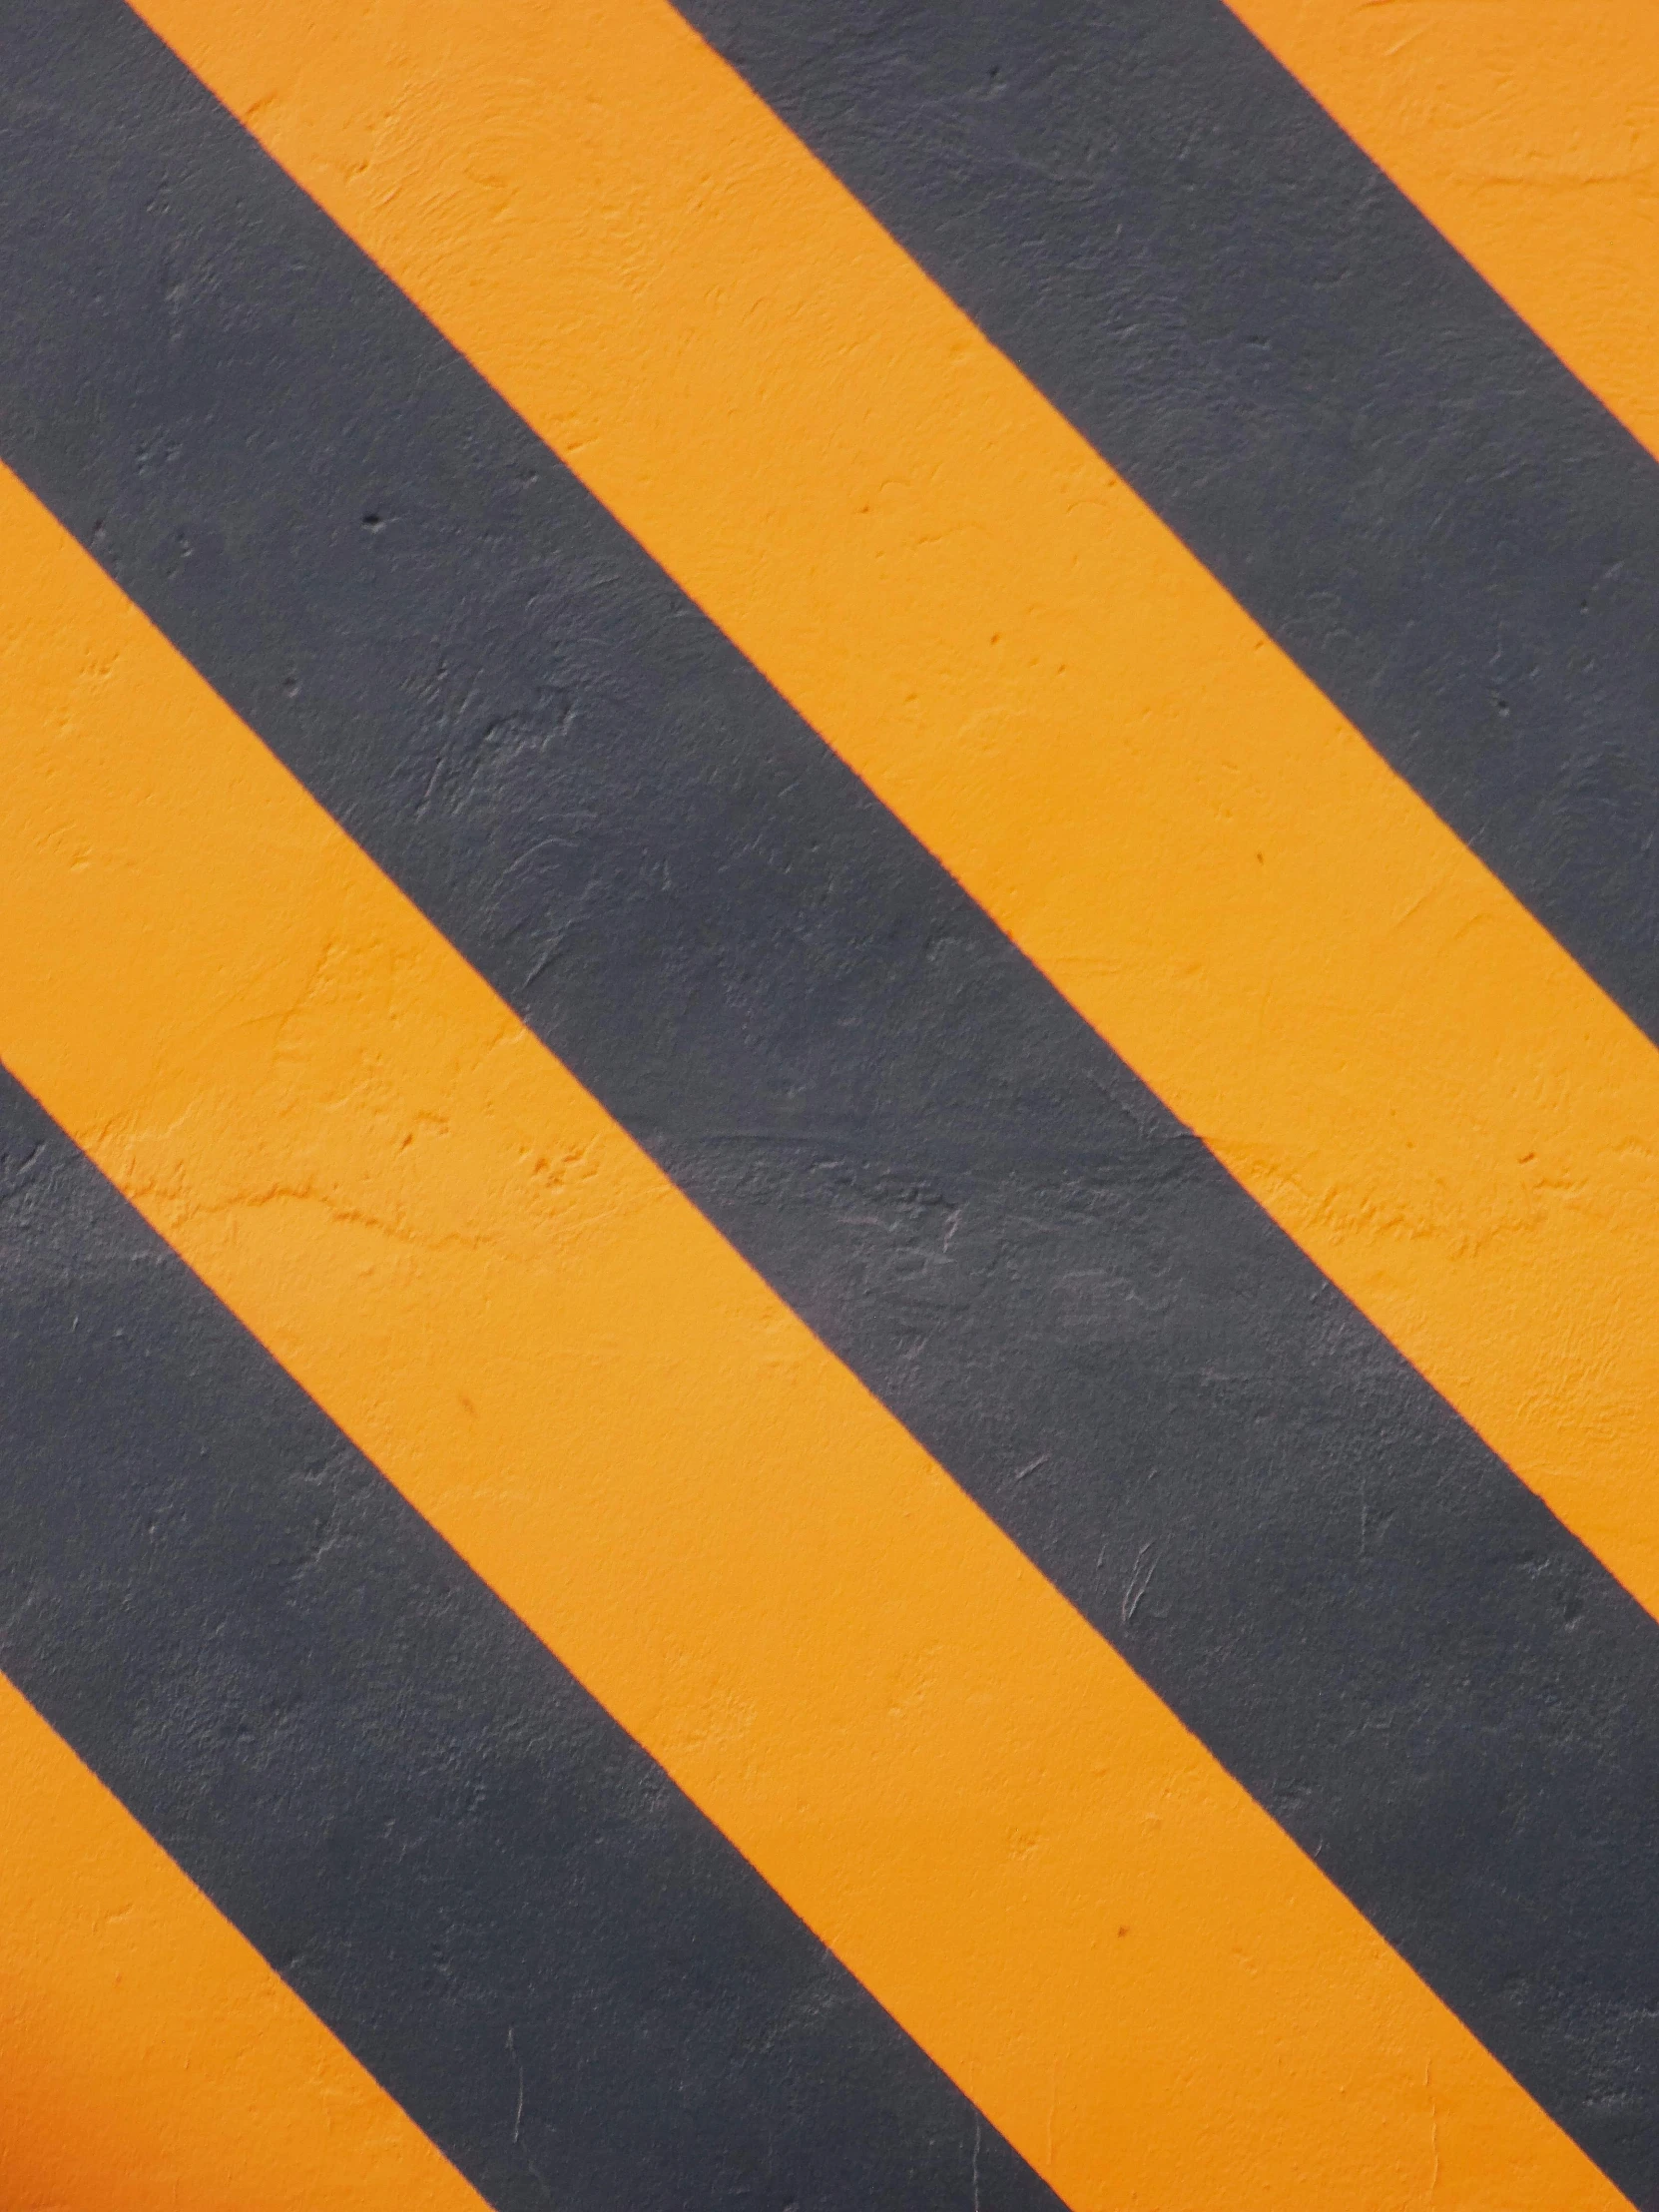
[
  {"x": 1431, "y": 1685},
  {"x": 532, "y": 1940},
  {"x": 1529, "y": 135},
  {"x": 916, "y": 1741},
  {"x": 1354, "y": 433},
  {"x": 1378, "y": 1040},
  {"x": 151, "y": 2058}
]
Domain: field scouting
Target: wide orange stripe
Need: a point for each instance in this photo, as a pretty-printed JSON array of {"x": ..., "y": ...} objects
[
  {"x": 1529, "y": 134},
  {"x": 1384, "y": 1046},
  {"x": 956, "y": 1783},
  {"x": 151, "y": 2059}
]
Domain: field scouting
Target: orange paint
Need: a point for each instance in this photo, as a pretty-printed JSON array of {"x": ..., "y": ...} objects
[
  {"x": 1528, "y": 131},
  {"x": 1375, "y": 1036},
  {"x": 946, "y": 1771},
  {"x": 151, "y": 2059}
]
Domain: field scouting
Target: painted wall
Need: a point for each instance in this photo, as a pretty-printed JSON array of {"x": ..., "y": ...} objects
[{"x": 829, "y": 1126}]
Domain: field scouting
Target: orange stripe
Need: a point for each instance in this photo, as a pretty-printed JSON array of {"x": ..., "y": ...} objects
[
  {"x": 151, "y": 2058},
  {"x": 1383, "y": 1045},
  {"x": 1529, "y": 134},
  {"x": 955, "y": 1782}
]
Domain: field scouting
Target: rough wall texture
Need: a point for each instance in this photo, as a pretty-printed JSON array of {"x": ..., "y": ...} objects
[{"x": 829, "y": 1129}]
